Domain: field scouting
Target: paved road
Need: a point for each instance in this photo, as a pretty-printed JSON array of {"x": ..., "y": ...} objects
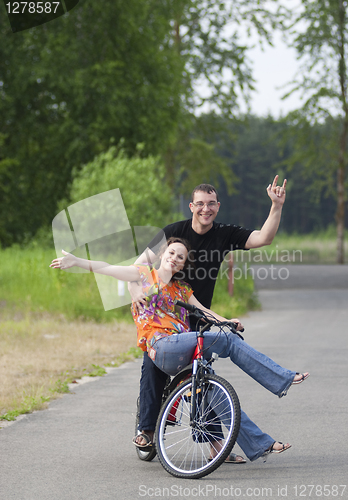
[
  {"x": 80, "y": 448},
  {"x": 310, "y": 277}
]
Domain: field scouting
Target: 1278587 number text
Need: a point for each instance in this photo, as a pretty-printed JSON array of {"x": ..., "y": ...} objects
[{"x": 32, "y": 7}]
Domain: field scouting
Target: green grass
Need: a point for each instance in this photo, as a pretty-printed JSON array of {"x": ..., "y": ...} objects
[
  {"x": 28, "y": 284},
  {"x": 315, "y": 248},
  {"x": 244, "y": 297}
]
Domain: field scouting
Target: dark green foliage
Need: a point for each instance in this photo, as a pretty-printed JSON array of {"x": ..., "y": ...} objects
[
  {"x": 258, "y": 148},
  {"x": 104, "y": 72},
  {"x": 71, "y": 88}
]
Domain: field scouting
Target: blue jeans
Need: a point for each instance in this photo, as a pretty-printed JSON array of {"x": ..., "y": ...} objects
[
  {"x": 175, "y": 351},
  {"x": 251, "y": 439}
]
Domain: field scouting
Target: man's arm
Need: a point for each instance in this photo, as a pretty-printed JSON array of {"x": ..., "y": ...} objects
[{"x": 268, "y": 231}]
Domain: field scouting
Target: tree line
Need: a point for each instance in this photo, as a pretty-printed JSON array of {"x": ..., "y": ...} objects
[{"x": 120, "y": 78}]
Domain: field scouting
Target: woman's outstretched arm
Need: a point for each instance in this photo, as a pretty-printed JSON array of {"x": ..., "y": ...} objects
[{"x": 123, "y": 273}]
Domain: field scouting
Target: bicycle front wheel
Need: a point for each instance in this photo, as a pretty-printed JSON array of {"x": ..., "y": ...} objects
[{"x": 193, "y": 449}]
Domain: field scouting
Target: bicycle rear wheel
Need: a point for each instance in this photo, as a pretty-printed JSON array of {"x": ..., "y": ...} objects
[
  {"x": 185, "y": 449},
  {"x": 146, "y": 454}
]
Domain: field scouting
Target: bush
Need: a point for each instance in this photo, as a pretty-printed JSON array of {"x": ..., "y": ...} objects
[{"x": 146, "y": 195}]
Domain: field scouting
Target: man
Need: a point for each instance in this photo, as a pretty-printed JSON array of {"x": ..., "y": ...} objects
[{"x": 210, "y": 242}]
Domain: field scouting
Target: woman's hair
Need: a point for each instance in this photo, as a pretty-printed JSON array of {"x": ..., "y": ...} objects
[{"x": 188, "y": 263}]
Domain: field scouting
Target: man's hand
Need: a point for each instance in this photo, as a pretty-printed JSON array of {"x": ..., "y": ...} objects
[
  {"x": 137, "y": 295},
  {"x": 277, "y": 193}
]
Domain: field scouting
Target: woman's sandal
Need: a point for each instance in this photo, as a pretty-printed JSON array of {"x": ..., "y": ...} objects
[
  {"x": 232, "y": 459},
  {"x": 146, "y": 437},
  {"x": 272, "y": 450},
  {"x": 302, "y": 379}
]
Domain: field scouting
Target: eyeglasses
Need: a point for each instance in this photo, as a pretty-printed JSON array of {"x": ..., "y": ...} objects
[{"x": 211, "y": 204}]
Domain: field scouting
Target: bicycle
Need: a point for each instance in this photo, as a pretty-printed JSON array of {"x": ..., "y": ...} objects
[{"x": 199, "y": 419}]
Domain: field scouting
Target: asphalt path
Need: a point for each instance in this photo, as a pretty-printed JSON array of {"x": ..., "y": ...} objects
[{"x": 80, "y": 447}]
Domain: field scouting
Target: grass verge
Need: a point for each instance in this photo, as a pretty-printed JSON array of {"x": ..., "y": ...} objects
[
  {"x": 40, "y": 355},
  {"x": 316, "y": 248}
]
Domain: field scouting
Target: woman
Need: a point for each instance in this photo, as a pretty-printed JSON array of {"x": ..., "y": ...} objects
[{"x": 163, "y": 329}]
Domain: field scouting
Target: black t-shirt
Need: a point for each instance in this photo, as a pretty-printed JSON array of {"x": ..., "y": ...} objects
[{"x": 208, "y": 252}]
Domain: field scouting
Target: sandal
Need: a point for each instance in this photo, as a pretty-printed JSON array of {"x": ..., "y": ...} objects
[
  {"x": 232, "y": 459},
  {"x": 272, "y": 450},
  {"x": 146, "y": 437},
  {"x": 283, "y": 448},
  {"x": 302, "y": 379}
]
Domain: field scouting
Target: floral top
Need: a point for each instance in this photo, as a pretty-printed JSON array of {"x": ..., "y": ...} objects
[{"x": 160, "y": 317}]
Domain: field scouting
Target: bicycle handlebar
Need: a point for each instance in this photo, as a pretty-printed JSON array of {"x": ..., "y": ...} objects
[{"x": 200, "y": 314}]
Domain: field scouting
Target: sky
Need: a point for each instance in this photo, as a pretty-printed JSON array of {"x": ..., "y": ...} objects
[{"x": 273, "y": 67}]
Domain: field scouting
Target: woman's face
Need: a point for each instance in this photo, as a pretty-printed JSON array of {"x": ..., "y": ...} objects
[{"x": 174, "y": 257}]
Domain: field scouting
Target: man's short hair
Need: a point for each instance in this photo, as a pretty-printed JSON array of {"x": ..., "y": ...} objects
[{"x": 206, "y": 188}]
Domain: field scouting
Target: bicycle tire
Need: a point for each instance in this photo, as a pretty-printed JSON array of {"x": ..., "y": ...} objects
[
  {"x": 143, "y": 454},
  {"x": 184, "y": 451}
]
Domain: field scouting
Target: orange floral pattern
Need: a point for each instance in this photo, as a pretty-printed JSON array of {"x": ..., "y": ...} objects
[{"x": 160, "y": 317}]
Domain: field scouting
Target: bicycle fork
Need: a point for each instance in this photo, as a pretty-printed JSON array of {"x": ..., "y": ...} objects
[{"x": 197, "y": 356}]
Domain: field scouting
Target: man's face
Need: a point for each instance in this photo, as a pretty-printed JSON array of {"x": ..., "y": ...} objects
[{"x": 204, "y": 207}]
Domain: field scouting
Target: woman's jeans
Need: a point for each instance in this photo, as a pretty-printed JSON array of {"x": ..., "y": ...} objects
[
  {"x": 175, "y": 352},
  {"x": 251, "y": 439}
]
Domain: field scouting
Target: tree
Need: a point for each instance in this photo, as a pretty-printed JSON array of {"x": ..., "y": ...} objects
[
  {"x": 254, "y": 150},
  {"x": 146, "y": 196},
  {"x": 212, "y": 39},
  {"x": 322, "y": 47},
  {"x": 104, "y": 71},
  {"x": 113, "y": 70}
]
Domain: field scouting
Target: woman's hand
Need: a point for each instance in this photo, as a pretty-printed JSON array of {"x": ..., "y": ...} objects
[
  {"x": 238, "y": 323},
  {"x": 65, "y": 262}
]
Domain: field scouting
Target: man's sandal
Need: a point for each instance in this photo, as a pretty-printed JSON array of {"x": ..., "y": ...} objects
[
  {"x": 235, "y": 459},
  {"x": 146, "y": 437},
  {"x": 302, "y": 379}
]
